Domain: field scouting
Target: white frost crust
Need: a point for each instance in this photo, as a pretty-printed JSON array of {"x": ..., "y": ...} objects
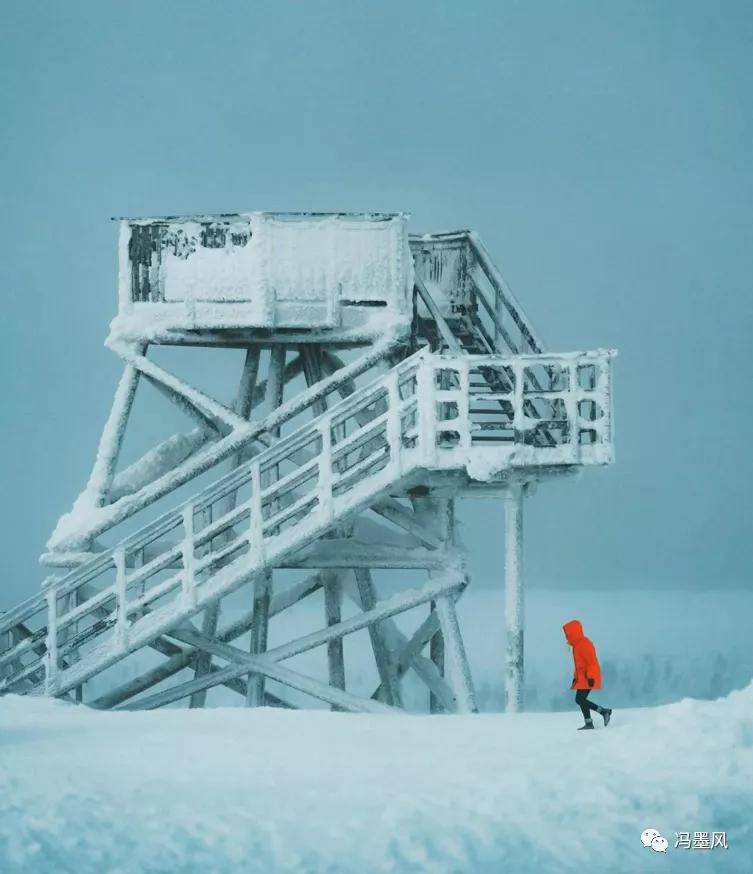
[
  {"x": 167, "y": 454},
  {"x": 289, "y": 273}
]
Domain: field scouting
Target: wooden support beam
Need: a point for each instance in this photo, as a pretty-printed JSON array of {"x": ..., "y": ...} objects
[
  {"x": 213, "y": 453},
  {"x": 244, "y": 401},
  {"x": 257, "y": 664},
  {"x": 514, "y": 616},
  {"x": 311, "y": 358},
  {"x": 242, "y": 406},
  {"x": 396, "y": 513},
  {"x": 157, "y": 461},
  {"x": 444, "y": 512},
  {"x": 314, "y": 370},
  {"x": 263, "y": 583},
  {"x": 436, "y": 656},
  {"x": 444, "y": 329},
  {"x": 292, "y": 369},
  {"x": 411, "y": 648},
  {"x": 212, "y": 410},
  {"x": 213, "y": 424},
  {"x": 410, "y": 657},
  {"x": 111, "y": 441},
  {"x": 339, "y": 553},
  {"x": 333, "y": 615},
  {"x": 259, "y": 632},
  {"x": 438, "y": 514},
  {"x": 384, "y": 609},
  {"x": 204, "y": 659},
  {"x": 458, "y": 670},
  {"x": 382, "y": 656},
  {"x": 176, "y": 663}
]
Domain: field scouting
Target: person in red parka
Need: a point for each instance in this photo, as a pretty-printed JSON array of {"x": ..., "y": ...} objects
[{"x": 587, "y": 672}]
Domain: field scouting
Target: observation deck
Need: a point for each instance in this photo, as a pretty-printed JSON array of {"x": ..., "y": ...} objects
[{"x": 327, "y": 275}]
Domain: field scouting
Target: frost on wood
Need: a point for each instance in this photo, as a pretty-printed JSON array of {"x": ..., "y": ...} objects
[
  {"x": 262, "y": 270},
  {"x": 446, "y": 390}
]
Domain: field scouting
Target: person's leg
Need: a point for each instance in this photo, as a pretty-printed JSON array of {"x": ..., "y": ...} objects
[
  {"x": 592, "y": 706},
  {"x": 581, "y": 699},
  {"x": 604, "y": 711}
]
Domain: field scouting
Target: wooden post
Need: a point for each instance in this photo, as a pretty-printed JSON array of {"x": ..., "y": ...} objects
[
  {"x": 121, "y": 604},
  {"x": 208, "y": 623},
  {"x": 263, "y": 582},
  {"x": 51, "y": 662},
  {"x": 332, "y": 606},
  {"x": 514, "y": 617},
  {"x": 188, "y": 578},
  {"x": 385, "y": 667},
  {"x": 259, "y": 630},
  {"x": 242, "y": 406},
  {"x": 111, "y": 441},
  {"x": 436, "y": 655},
  {"x": 312, "y": 357},
  {"x": 458, "y": 671},
  {"x": 439, "y": 517}
]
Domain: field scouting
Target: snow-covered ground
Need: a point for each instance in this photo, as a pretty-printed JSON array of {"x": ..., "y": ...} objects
[
  {"x": 236, "y": 790},
  {"x": 233, "y": 790}
]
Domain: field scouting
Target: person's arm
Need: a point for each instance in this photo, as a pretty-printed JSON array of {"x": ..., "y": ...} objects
[{"x": 592, "y": 664}]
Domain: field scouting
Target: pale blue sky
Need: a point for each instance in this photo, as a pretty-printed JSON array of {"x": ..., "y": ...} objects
[{"x": 602, "y": 150}]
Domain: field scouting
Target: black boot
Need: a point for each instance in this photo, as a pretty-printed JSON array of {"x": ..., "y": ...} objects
[
  {"x": 607, "y": 714},
  {"x": 589, "y": 724}
]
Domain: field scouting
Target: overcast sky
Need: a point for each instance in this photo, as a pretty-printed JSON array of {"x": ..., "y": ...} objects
[{"x": 602, "y": 151}]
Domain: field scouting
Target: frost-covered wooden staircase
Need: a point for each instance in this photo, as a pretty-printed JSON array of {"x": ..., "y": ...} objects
[
  {"x": 477, "y": 407},
  {"x": 379, "y": 441}
]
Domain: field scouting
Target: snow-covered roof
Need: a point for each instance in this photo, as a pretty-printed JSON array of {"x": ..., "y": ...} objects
[{"x": 223, "y": 216}]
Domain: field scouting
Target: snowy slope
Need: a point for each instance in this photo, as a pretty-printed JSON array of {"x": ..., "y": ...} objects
[{"x": 235, "y": 790}]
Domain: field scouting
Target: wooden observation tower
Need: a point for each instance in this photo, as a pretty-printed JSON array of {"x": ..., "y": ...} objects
[{"x": 381, "y": 377}]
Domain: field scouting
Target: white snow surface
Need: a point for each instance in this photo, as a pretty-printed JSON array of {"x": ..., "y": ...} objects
[{"x": 237, "y": 790}]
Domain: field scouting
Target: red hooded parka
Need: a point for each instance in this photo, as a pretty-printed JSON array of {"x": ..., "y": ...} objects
[{"x": 584, "y": 656}]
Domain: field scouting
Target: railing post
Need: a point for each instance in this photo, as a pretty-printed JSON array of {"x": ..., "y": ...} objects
[
  {"x": 604, "y": 383},
  {"x": 394, "y": 425},
  {"x": 427, "y": 437},
  {"x": 255, "y": 521},
  {"x": 121, "y": 607},
  {"x": 324, "y": 480},
  {"x": 571, "y": 407},
  {"x": 188, "y": 580},
  {"x": 51, "y": 660},
  {"x": 464, "y": 403},
  {"x": 518, "y": 422}
]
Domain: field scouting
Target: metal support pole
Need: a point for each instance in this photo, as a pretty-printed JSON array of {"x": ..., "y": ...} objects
[{"x": 514, "y": 596}]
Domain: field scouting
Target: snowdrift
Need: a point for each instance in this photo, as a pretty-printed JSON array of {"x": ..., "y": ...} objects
[{"x": 236, "y": 790}]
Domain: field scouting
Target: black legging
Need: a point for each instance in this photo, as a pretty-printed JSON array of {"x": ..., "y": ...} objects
[{"x": 581, "y": 699}]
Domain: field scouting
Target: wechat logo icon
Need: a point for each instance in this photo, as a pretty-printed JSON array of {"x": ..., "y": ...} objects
[{"x": 650, "y": 837}]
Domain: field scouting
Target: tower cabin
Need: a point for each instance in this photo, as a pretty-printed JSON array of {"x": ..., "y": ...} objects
[
  {"x": 341, "y": 277},
  {"x": 382, "y": 376}
]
